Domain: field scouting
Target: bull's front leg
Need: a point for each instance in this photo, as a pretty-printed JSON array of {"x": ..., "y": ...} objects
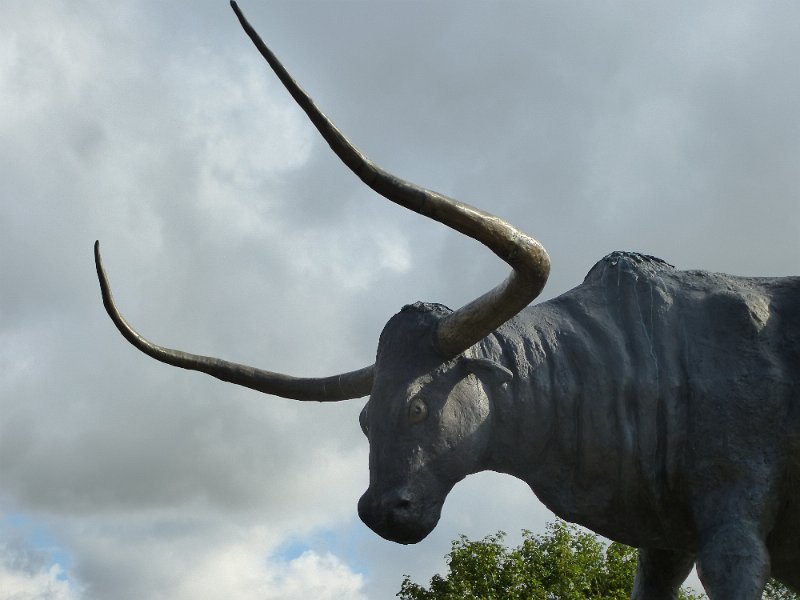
[
  {"x": 732, "y": 525},
  {"x": 660, "y": 573},
  {"x": 733, "y": 562}
]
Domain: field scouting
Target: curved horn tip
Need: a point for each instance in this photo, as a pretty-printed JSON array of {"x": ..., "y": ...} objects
[{"x": 97, "y": 258}]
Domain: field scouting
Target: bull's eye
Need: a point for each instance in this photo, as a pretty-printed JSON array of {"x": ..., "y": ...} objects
[{"x": 417, "y": 411}]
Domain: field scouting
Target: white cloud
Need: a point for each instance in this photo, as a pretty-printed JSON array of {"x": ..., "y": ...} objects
[
  {"x": 185, "y": 559},
  {"x": 242, "y": 572},
  {"x": 28, "y": 573},
  {"x": 314, "y": 576},
  {"x": 45, "y": 584}
]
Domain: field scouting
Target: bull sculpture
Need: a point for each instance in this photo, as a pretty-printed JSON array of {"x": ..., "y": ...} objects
[{"x": 657, "y": 407}]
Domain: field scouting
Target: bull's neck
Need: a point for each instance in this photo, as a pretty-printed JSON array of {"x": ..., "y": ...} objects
[
  {"x": 547, "y": 425},
  {"x": 527, "y": 420},
  {"x": 583, "y": 422}
]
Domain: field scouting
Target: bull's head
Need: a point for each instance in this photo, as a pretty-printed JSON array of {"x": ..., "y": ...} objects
[{"x": 429, "y": 413}]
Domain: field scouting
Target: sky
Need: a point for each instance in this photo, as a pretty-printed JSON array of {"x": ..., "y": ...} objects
[{"x": 228, "y": 228}]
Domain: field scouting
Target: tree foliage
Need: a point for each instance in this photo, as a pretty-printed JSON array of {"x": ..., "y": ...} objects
[
  {"x": 564, "y": 563},
  {"x": 775, "y": 590}
]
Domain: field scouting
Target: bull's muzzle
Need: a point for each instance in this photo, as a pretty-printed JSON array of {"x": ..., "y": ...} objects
[{"x": 399, "y": 515}]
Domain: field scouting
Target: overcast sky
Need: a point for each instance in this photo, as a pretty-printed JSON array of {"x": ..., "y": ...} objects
[{"x": 228, "y": 228}]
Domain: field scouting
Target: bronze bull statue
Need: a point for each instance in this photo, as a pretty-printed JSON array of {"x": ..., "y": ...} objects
[{"x": 657, "y": 407}]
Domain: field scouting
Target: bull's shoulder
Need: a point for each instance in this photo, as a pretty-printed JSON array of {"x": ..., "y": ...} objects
[
  {"x": 621, "y": 262},
  {"x": 633, "y": 280},
  {"x": 627, "y": 284},
  {"x": 634, "y": 267}
]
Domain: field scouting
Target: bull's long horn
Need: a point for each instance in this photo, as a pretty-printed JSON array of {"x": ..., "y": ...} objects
[
  {"x": 323, "y": 389},
  {"x": 525, "y": 255}
]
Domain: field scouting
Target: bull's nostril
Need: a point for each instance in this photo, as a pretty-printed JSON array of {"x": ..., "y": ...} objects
[{"x": 399, "y": 502}]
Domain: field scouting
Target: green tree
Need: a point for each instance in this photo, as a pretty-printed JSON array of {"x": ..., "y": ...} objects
[
  {"x": 564, "y": 563},
  {"x": 777, "y": 591}
]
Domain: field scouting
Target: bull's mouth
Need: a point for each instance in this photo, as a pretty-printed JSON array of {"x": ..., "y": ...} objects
[{"x": 398, "y": 516}]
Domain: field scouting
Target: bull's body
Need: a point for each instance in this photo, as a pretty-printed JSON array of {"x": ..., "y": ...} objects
[
  {"x": 648, "y": 399},
  {"x": 658, "y": 407}
]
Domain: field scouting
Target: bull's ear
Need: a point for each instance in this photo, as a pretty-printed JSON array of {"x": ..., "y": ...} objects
[
  {"x": 362, "y": 420},
  {"x": 493, "y": 371}
]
